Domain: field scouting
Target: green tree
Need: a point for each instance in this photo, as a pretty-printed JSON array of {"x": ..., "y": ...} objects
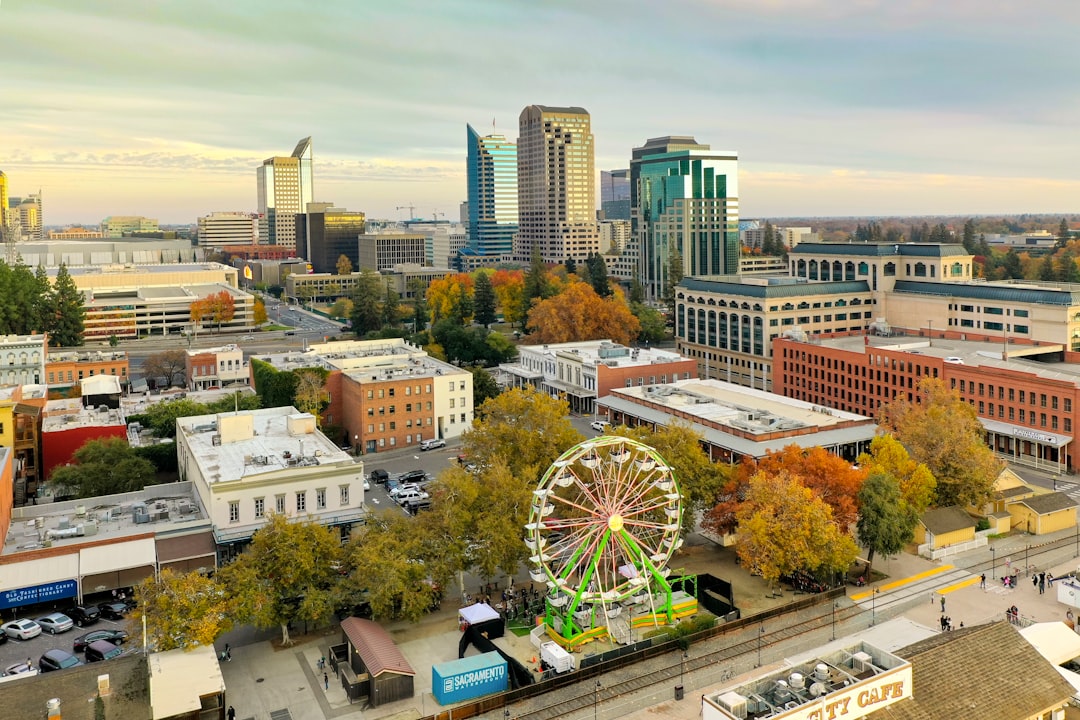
[
  {"x": 344, "y": 265},
  {"x": 1011, "y": 265},
  {"x": 484, "y": 299},
  {"x": 387, "y": 563},
  {"x": 536, "y": 283},
  {"x": 420, "y": 311},
  {"x": 969, "y": 237},
  {"x": 1066, "y": 270},
  {"x": 391, "y": 307},
  {"x": 288, "y": 572},
  {"x": 571, "y": 265},
  {"x": 886, "y": 523},
  {"x": 39, "y": 297},
  {"x": 674, "y": 277},
  {"x": 652, "y": 323},
  {"x": 598, "y": 276},
  {"x": 342, "y": 308},
  {"x": 65, "y": 304},
  {"x": 367, "y": 312},
  {"x": 161, "y": 417},
  {"x": 506, "y": 501},
  {"x": 1046, "y": 268},
  {"x": 104, "y": 467},
  {"x": 889, "y": 457},
  {"x": 236, "y": 401},
  {"x": 784, "y": 527},
  {"x": 637, "y": 291},
  {"x": 484, "y": 387},
  {"x": 182, "y": 611},
  {"x": 1063, "y": 233},
  {"x": 944, "y": 433},
  {"x": 526, "y": 428},
  {"x": 276, "y": 388}
]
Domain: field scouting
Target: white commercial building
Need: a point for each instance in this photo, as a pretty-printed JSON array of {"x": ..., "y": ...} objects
[
  {"x": 22, "y": 359},
  {"x": 221, "y": 229},
  {"x": 248, "y": 464}
]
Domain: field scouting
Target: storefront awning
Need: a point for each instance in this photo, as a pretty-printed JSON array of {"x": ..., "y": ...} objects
[
  {"x": 117, "y": 556},
  {"x": 1025, "y": 433},
  {"x": 560, "y": 386}
]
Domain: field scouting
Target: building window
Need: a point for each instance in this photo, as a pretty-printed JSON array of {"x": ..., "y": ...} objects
[
  {"x": 279, "y": 504},
  {"x": 451, "y": 402},
  {"x": 260, "y": 507},
  {"x": 320, "y": 499},
  {"x": 301, "y": 501},
  {"x": 343, "y": 490},
  {"x": 234, "y": 511}
]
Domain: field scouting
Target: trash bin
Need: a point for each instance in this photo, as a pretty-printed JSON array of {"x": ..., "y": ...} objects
[{"x": 678, "y": 692}]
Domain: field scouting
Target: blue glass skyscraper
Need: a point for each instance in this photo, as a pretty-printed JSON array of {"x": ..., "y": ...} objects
[{"x": 493, "y": 194}]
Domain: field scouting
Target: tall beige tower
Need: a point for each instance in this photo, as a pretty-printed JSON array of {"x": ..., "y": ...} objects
[
  {"x": 556, "y": 184},
  {"x": 3, "y": 204},
  {"x": 285, "y": 187}
]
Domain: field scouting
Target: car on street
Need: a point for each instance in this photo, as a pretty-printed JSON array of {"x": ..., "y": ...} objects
[
  {"x": 113, "y": 610},
  {"x": 55, "y": 623},
  {"x": 432, "y": 444},
  {"x": 21, "y": 629},
  {"x": 19, "y": 669},
  {"x": 83, "y": 615},
  {"x": 410, "y": 495},
  {"x": 412, "y": 476},
  {"x": 101, "y": 650},
  {"x": 405, "y": 487},
  {"x": 378, "y": 476},
  {"x": 248, "y": 337},
  {"x": 116, "y": 637},
  {"x": 57, "y": 659},
  {"x": 599, "y": 425}
]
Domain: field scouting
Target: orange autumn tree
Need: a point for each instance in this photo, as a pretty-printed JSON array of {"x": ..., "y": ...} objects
[
  {"x": 830, "y": 478},
  {"x": 578, "y": 314}
]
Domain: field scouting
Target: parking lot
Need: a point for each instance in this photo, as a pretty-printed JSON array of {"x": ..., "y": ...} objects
[{"x": 17, "y": 651}]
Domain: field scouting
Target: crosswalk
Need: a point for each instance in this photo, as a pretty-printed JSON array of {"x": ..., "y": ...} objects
[{"x": 1071, "y": 489}]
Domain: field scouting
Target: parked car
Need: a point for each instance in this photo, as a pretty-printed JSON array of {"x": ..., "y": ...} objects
[
  {"x": 113, "y": 610},
  {"x": 83, "y": 615},
  {"x": 432, "y": 444},
  {"x": 413, "y": 506},
  {"x": 412, "y": 476},
  {"x": 19, "y": 669},
  {"x": 21, "y": 629},
  {"x": 391, "y": 485},
  {"x": 57, "y": 660},
  {"x": 116, "y": 637},
  {"x": 408, "y": 495},
  {"x": 378, "y": 476},
  {"x": 600, "y": 425},
  {"x": 55, "y": 623},
  {"x": 396, "y": 491},
  {"x": 101, "y": 650}
]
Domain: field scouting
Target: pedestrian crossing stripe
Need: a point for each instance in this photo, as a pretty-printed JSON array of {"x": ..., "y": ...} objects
[
  {"x": 959, "y": 586},
  {"x": 903, "y": 581}
]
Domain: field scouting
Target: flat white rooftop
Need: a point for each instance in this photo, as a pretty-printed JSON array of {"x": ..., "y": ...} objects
[
  {"x": 278, "y": 443},
  {"x": 68, "y": 414},
  {"x": 606, "y": 352}
]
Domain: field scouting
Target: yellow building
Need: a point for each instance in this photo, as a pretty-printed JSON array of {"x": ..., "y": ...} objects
[
  {"x": 7, "y": 422},
  {"x": 945, "y": 526},
  {"x": 1042, "y": 514}
]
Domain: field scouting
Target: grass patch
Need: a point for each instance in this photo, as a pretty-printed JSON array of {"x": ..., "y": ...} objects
[
  {"x": 518, "y": 628},
  {"x": 272, "y": 328}
]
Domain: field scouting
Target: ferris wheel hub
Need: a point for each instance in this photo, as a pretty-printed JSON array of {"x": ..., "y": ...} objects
[{"x": 615, "y": 523}]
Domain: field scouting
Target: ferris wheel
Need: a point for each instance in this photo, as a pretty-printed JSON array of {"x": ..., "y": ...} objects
[{"x": 604, "y": 522}]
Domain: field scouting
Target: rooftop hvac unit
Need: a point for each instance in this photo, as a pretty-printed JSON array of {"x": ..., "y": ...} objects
[
  {"x": 862, "y": 662},
  {"x": 821, "y": 673},
  {"x": 89, "y": 528},
  {"x": 734, "y": 703}
]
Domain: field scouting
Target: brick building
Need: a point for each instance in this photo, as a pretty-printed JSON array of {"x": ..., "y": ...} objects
[
  {"x": 65, "y": 369},
  {"x": 218, "y": 367},
  {"x": 1027, "y": 396}
]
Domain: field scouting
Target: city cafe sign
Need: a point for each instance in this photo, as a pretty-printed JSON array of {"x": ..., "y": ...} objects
[{"x": 857, "y": 700}]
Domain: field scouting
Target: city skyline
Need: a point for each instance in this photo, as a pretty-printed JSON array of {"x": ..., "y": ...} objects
[{"x": 834, "y": 108}]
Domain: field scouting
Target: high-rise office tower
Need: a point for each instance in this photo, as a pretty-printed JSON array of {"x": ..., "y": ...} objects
[
  {"x": 221, "y": 229},
  {"x": 31, "y": 220},
  {"x": 615, "y": 194},
  {"x": 3, "y": 204},
  {"x": 493, "y": 194},
  {"x": 325, "y": 233},
  {"x": 285, "y": 187},
  {"x": 684, "y": 198},
  {"x": 556, "y": 185}
]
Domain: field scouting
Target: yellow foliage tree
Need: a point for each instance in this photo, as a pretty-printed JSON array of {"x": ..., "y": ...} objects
[
  {"x": 259, "y": 312},
  {"x": 182, "y": 611},
  {"x": 784, "y": 527},
  {"x": 509, "y": 286},
  {"x": 578, "y": 313},
  {"x": 445, "y": 297},
  {"x": 944, "y": 433},
  {"x": 888, "y": 457}
]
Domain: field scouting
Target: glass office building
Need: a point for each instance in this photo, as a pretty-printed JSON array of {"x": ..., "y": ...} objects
[
  {"x": 493, "y": 194},
  {"x": 684, "y": 198},
  {"x": 285, "y": 186}
]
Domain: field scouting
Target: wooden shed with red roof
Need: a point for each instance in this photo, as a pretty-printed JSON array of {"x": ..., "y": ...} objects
[{"x": 374, "y": 666}]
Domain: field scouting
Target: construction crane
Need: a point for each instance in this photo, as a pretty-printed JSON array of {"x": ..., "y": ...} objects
[
  {"x": 410, "y": 208},
  {"x": 436, "y": 215}
]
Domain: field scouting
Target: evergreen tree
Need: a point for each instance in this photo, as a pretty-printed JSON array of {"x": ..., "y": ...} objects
[
  {"x": 463, "y": 308},
  {"x": 1066, "y": 270},
  {"x": 637, "y": 290},
  {"x": 66, "y": 310},
  {"x": 940, "y": 234},
  {"x": 366, "y": 315},
  {"x": 598, "y": 276},
  {"x": 1046, "y": 268},
  {"x": 536, "y": 284},
  {"x": 674, "y": 277},
  {"x": 571, "y": 265},
  {"x": 969, "y": 236},
  {"x": 391, "y": 307},
  {"x": 1063, "y": 233},
  {"x": 484, "y": 299},
  {"x": 418, "y": 291},
  {"x": 1011, "y": 265}
]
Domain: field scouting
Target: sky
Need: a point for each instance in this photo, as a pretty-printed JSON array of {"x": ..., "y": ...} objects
[{"x": 165, "y": 108}]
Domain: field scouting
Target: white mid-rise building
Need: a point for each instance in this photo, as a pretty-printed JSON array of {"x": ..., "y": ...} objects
[
  {"x": 249, "y": 464},
  {"x": 221, "y": 229},
  {"x": 22, "y": 359}
]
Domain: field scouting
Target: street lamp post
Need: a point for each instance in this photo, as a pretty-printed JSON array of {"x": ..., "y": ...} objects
[
  {"x": 596, "y": 699},
  {"x": 1027, "y": 568},
  {"x": 356, "y": 443},
  {"x": 834, "y": 606},
  {"x": 993, "y": 562},
  {"x": 761, "y": 633},
  {"x": 873, "y": 607},
  {"x": 682, "y": 670}
]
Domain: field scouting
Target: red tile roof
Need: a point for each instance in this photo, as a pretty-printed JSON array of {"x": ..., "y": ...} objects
[{"x": 375, "y": 647}]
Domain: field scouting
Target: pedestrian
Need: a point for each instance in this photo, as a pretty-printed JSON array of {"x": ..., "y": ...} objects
[
  {"x": 1042, "y": 583},
  {"x": 29, "y": 663},
  {"x": 231, "y": 715},
  {"x": 961, "y": 624},
  {"x": 326, "y": 681},
  {"x": 942, "y": 623},
  {"x": 1035, "y": 580},
  {"x": 942, "y": 603},
  {"x": 982, "y": 581},
  {"x": 226, "y": 654},
  {"x": 1049, "y": 579}
]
